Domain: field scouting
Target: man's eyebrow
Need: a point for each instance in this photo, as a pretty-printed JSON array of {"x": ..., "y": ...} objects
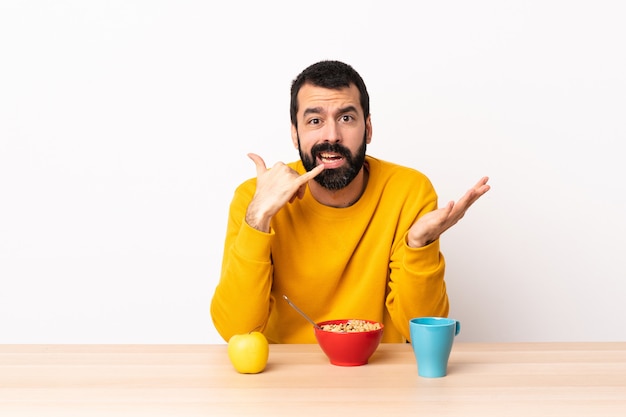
[
  {"x": 312, "y": 110},
  {"x": 319, "y": 110},
  {"x": 347, "y": 109}
]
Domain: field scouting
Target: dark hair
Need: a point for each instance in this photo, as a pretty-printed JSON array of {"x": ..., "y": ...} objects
[{"x": 328, "y": 74}]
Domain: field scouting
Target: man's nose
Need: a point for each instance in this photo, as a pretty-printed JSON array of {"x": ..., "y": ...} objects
[{"x": 332, "y": 133}]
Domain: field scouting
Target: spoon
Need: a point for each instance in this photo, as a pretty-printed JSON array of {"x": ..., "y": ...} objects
[{"x": 302, "y": 313}]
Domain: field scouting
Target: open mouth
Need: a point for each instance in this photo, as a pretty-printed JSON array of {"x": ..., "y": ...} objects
[{"x": 328, "y": 158}]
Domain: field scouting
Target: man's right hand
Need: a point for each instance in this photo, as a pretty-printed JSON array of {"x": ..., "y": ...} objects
[{"x": 275, "y": 187}]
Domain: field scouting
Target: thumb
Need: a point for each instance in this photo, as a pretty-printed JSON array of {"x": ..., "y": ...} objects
[{"x": 259, "y": 162}]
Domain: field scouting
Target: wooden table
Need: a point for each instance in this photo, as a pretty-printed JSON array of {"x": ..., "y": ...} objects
[{"x": 529, "y": 379}]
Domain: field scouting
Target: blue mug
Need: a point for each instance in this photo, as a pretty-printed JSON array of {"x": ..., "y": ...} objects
[{"x": 431, "y": 339}]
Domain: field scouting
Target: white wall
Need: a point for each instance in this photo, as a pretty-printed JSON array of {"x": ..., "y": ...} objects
[{"x": 124, "y": 127}]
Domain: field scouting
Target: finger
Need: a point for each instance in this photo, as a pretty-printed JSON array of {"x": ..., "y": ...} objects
[
  {"x": 298, "y": 194},
  {"x": 301, "y": 191},
  {"x": 447, "y": 209},
  {"x": 481, "y": 186},
  {"x": 468, "y": 199},
  {"x": 304, "y": 178},
  {"x": 259, "y": 162},
  {"x": 475, "y": 192},
  {"x": 481, "y": 182}
]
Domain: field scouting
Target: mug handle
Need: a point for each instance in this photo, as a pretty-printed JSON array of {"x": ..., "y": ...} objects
[{"x": 458, "y": 328}]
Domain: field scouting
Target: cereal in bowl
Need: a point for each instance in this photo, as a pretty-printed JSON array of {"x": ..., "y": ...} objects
[{"x": 351, "y": 326}]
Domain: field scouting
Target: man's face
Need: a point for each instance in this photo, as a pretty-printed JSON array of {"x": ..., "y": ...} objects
[{"x": 331, "y": 131}]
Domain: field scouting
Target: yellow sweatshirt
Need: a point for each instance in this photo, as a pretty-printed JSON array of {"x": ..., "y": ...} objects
[{"x": 333, "y": 263}]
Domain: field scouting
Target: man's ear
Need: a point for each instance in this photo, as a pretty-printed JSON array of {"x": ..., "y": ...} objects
[
  {"x": 294, "y": 136},
  {"x": 368, "y": 129}
]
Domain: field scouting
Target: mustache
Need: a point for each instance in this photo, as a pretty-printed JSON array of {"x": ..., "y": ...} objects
[{"x": 330, "y": 147}]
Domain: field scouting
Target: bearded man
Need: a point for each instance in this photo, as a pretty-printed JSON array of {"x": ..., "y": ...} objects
[{"x": 341, "y": 233}]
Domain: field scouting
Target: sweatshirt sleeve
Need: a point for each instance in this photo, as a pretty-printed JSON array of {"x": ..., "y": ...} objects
[
  {"x": 416, "y": 285},
  {"x": 241, "y": 301}
]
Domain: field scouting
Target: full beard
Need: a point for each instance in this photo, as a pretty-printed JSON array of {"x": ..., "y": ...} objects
[{"x": 338, "y": 178}]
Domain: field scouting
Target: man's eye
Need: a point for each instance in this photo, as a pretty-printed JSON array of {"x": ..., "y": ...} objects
[
  {"x": 346, "y": 118},
  {"x": 314, "y": 121}
]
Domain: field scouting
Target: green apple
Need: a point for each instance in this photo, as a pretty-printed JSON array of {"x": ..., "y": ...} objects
[{"x": 248, "y": 352}]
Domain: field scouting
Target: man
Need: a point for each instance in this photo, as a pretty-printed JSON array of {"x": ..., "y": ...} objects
[{"x": 341, "y": 233}]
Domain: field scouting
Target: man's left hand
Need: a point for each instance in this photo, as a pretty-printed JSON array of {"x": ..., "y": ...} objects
[{"x": 430, "y": 226}]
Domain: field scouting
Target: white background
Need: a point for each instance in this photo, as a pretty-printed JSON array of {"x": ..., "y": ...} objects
[{"x": 124, "y": 128}]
